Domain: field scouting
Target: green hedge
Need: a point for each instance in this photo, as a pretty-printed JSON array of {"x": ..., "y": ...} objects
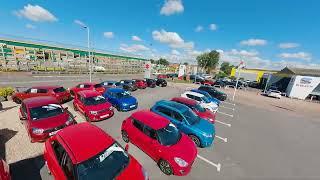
[{"x": 6, "y": 91}]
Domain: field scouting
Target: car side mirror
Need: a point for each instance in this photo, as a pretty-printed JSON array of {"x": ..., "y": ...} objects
[
  {"x": 23, "y": 118},
  {"x": 126, "y": 148}
]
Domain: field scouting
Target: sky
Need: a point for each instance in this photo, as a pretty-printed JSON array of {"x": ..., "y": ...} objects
[{"x": 268, "y": 34}]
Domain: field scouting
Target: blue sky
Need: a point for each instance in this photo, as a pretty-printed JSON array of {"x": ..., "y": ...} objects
[{"x": 266, "y": 34}]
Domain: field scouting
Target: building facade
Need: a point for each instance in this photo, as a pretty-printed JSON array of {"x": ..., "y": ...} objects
[{"x": 251, "y": 74}]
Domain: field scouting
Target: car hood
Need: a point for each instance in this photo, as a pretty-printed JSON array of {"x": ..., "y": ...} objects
[
  {"x": 203, "y": 126},
  {"x": 51, "y": 122},
  {"x": 207, "y": 114},
  {"x": 99, "y": 107},
  {"x": 128, "y": 100},
  {"x": 132, "y": 171}
]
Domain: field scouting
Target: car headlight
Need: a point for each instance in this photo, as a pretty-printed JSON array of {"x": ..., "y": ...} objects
[
  {"x": 210, "y": 119},
  {"x": 207, "y": 135},
  {"x": 124, "y": 104},
  {"x": 145, "y": 174},
  {"x": 37, "y": 131},
  {"x": 111, "y": 108},
  {"x": 180, "y": 162},
  {"x": 94, "y": 112},
  {"x": 69, "y": 121}
]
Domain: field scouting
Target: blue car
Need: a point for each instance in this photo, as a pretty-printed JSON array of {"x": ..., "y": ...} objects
[
  {"x": 121, "y": 99},
  {"x": 199, "y": 130},
  {"x": 212, "y": 99}
]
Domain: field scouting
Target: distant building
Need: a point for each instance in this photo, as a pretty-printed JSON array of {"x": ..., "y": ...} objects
[{"x": 251, "y": 74}]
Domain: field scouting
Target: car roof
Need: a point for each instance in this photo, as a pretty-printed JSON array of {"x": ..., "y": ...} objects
[
  {"x": 39, "y": 101},
  {"x": 88, "y": 83},
  {"x": 116, "y": 90},
  {"x": 84, "y": 141},
  {"x": 138, "y": 79},
  {"x": 46, "y": 87},
  {"x": 185, "y": 100},
  {"x": 194, "y": 93},
  {"x": 88, "y": 93},
  {"x": 173, "y": 105},
  {"x": 200, "y": 91},
  {"x": 151, "y": 119}
]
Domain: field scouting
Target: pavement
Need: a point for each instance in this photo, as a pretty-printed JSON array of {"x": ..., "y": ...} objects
[{"x": 263, "y": 142}]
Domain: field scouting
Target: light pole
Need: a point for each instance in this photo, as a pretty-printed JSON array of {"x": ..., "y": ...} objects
[
  {"x": 238, "y": 76},
  {"x": 88, "y": 39}
]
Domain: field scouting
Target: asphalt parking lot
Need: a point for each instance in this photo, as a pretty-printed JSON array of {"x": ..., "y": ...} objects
[{"x": 260, "y": 144}]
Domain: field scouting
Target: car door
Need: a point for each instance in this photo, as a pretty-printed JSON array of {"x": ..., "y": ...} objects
[
  {"x": 150, "y": 142},
  {"x": 136, "y": 133},
  {"x": 42, "y": 92},
  {"x": 81, "y": 105}
]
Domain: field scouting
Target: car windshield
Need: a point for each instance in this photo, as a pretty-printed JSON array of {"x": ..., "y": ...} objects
[
  {"x": 94, "y": 100},
  {"x": 199, "y": 108},
  {"x": 59, "y": 90},
  {"x": 205, "y": 99},
  {"x": 169, "y": 135},
  {"x": 106, "y": 165},
  {"x": 191, "y": 117},
  {"x": 123, "y": 94},
  {"x": 46, "y": 111}
]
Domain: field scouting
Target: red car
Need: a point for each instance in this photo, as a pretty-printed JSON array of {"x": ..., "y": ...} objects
[
  {"x": 162, "y": 76},
  {"x": 87, "y": 86},
  {"x": 197, "y": 108},
  {"x": 207, "y": 82},
  {"x": 43, "y": 117},
  {"x": 4, "y": 171},
  {"x": 141, "y": 84},
  {"x": 174, "y": 151},
  {"x": 84, "y": 151},
  {"x": 92, "y": 105},
  {"x": 59, "y": 92}
]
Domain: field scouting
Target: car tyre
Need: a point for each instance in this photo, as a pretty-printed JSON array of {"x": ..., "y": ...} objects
[
  {"x": 125, "y": 136},
  {"x": 118, "y": 108},
  {"x": 87, "y": 118},
  {"x": 17, "y": 100},
  {"x": 196, "y": 140},
  {"x": 165, "y": 167}
]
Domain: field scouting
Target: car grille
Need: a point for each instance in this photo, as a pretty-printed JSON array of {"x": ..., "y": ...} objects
[
  {"x": 54, "y": 129},
  {"x": 102, "y": 111}
]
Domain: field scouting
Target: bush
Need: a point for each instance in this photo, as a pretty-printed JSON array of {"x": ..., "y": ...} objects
[{"x": 5, "y": 92}]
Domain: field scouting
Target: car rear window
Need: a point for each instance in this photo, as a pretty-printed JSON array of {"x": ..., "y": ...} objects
[
  {"x": 59, "y": 90},
  {"x": 97, "y": 86}
]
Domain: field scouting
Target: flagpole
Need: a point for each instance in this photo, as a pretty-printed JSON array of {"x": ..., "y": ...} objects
[{"x": 238, "y": 76}]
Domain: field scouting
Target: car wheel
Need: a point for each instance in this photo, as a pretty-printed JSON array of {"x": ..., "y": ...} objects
[
  {"x": 118, "y": 108},
  {"x": 17, "y": 100},
  {"x": 87, "y": 118},
  {"x": 196, "y": 140},
  {"x": 125, "y": 136},
  {"x": 165, "y": 167}
]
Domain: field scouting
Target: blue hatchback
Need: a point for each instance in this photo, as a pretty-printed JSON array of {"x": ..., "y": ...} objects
[
  {"x": 212, "y": 99},
  {"x": 199, "y": 130},
  {"x": 121, "y": 99}
]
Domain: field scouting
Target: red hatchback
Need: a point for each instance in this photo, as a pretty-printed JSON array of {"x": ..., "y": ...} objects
[
  {"x": 43, "y": 117},
  {"x": 141, "y": 84},
  {"x": 207, "y": 82},
  {"x": 197, "y": 108},
  {"x": 174, "y": 151},
  {"x": 87, "y": 86},
  {"x": 59, "y": 92},
  {"x": 92, "y": 105},
  {"x": 4, "y": 170},
  {"x": 84, "y": 151}
]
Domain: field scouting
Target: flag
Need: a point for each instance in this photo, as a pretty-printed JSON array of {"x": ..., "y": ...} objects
[{"x": 241, "y": 65}]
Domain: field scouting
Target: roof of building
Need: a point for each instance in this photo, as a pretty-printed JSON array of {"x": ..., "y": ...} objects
[
  {"x": 151, "y": 119},
  {"x": 300, "y": 71}
]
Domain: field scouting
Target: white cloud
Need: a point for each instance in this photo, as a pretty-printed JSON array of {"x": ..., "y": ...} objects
[
  {"x": 80, "y": 23},
  {"x": 108, "y": 35},
  {"x": 288, "y": 45},
  {"x": 173, "y": 39},
  {"x": 172, "y": 7},
  {"x": 136, "y": 38},
  {"x": 36, "y": 13},
  {"x": 30, "y": 26},
  {"x": 198, "y": 29},
  {"x": 175, "y": 52},
  {"x": 298, "y": 55},
  {"x": 213, "y": 27},
  {"x": 254, "y": 42},
  {"x": 244, "y": 53},
  {"x": 133, "y": 48}
]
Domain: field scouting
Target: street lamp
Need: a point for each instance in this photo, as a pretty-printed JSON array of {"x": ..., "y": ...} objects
[{"x": 88, "y": 36}]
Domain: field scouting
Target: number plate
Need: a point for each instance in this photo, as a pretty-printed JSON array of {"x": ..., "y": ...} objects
[
  {"x": 104, "y": 116},
  {"x": 132, "y": 106}
]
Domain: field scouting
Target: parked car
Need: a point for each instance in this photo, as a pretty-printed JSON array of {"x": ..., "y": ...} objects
[
  {"x": 43, "y": 117},
  {"x": 274, "y": 93},
  {"x": 87, "y": 86},
  {"x": 58, "y": 92},
  {"x": 111, "y": 84},
  {"x": 162, "y": 76},
  {"x": 212, "y": 99},
  {"x": 92, "y": 105},
  {"x": 220, "y": 83},
  {"x": 99, "y": 68},
  {"x": 207, "y": 82},
  {"x": 84, "y": 151},
  {"x": 121, "y": 99},
  {"x": 172, "y": 75},
  {"x": 4, "y": 170},
  {"x": 161, "y": 82},
  {"x": 173, "y": 151},
  {"x": 203, "y": 100},
  {"x": 151, "y": 83},
  {"x": 196, "y": 108},
  {"x": 129, "y": 85},
  {"x": 214, "y": 92},
  {"x": 253, "y": 84},
  {"x": 200, "y": 131},
  {"x": 140, "y": 83}
]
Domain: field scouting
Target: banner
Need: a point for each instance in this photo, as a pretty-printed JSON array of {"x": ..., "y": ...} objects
[
  {"x": 147, "y": 69},
  {"x": 182, "y": 69}
]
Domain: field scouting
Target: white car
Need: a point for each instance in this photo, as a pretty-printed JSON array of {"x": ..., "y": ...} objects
[
  {"x": 99, "y": 68},
  {"x": 274, "y": 93},
  {"x": 204, "y": 101}
]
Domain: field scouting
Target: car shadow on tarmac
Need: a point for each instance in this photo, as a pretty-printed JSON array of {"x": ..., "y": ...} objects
[
  {"x": 27, "y": 168},
  {"x": 5, "y": 135}
]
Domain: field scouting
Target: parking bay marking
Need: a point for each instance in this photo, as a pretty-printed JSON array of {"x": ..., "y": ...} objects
[
  {"x": 223, "y": 123},
  {"x": 230, "y": 115},
  {"x": 223, "y": 139},
  {"x": 218, "y": 166},
  {"x": 230, "y": 103},
  {"x": 227, "y": 107}
]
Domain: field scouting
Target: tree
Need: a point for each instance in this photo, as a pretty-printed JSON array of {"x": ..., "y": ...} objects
[
  {"x": 226, "y": 68},
  {"x": 209, "y": 61},
  {"x": 185, "y": 63},
  {"x": 163, "y": 61},
  {"x": 152, "y": 61}
]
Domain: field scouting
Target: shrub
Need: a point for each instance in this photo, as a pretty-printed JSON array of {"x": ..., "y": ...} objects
[{"x": 6, "y": 91}]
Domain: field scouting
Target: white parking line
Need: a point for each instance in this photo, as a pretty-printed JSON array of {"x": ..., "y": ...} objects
[
  {"x": 230, "y": 115},
  {"x": 229, "y": 103},
  {"x": 227, "y": 107},
  {"x": 218, "y": 166},
  {"x": 223, "y": 123},
  {"x": 223, "y": 139}
]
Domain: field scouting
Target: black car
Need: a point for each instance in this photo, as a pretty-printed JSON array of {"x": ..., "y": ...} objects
[
  {"x": 161, "y": 82},
  {"x": 128, "y": 85},
  {"x": 220, "y": 83},
  {"x": 214, "y": 92},
  {"x": 151, "y": 83}
]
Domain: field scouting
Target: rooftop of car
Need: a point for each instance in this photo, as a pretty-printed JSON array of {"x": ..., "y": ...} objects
[
  {"x": 138, "y": 79},
  {"x": 176, "y": 106},
  {"x": 195, "y": 93},
  {"x": 85, "y": 140},
  {"x": 88, "y": 93},
  {"x": 40, "y": 101},
  {"x": 88, "y": 83},
  {"x": 151, "y": 119},
  {"x": 184, "y": 100},
  {"x": 116, "y": 90},
  {"x": 46, "y": 87}
]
